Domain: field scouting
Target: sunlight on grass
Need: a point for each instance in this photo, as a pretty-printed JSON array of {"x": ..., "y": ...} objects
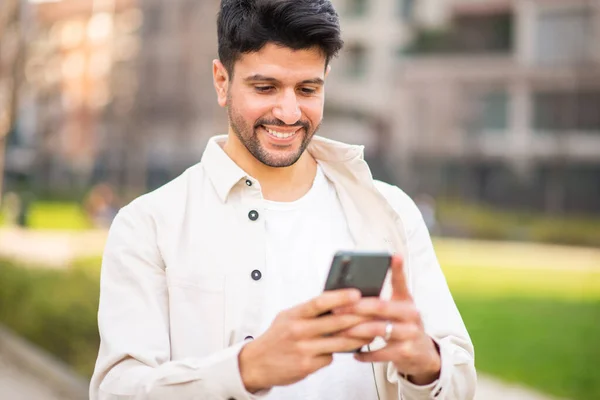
[
  {"x": 55, "y": 216},
  {"x": 578, "y": 285},
  {"x": 62, "y": 216}
]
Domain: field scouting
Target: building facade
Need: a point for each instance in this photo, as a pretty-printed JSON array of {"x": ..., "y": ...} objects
[
  {"x": 492, "y": 101},
  {"x": 71, "y": 50},
  {"x": 483, "y": 100},
  {"x": 507, "y": 112}
]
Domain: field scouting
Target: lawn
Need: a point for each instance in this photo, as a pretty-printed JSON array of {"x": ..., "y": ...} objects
[{"x": 538, "y": 327}]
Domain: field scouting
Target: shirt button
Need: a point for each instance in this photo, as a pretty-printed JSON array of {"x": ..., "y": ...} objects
[
  {"x": 249, "y": 337},
  {"x": 253, "y": 215},
  {"x": 256, "y": 275},
  {"x": 248, "y": 182}
]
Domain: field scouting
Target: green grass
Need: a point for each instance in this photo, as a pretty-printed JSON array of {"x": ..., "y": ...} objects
[
  {"x": 533, "y": 326},
  {"x": 56, "y": 216}
]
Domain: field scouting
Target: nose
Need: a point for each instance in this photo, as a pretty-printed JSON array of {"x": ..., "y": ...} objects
[{"x": 287, "y": 109}]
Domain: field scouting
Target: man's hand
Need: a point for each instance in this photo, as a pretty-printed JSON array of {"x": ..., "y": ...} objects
[
  {"x": 411, "y": 350},
  {"x": 299, "y": 342}
]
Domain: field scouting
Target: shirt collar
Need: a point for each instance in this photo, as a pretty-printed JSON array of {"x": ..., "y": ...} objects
[{"x": 224, "y": 173}]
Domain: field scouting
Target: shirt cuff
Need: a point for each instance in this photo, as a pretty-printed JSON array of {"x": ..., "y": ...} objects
[
  {"x": 221, "y": 372},
  {"x": 432, "y": 391}
]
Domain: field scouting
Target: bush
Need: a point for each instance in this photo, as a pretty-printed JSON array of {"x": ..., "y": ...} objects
[
  {"x": 54, "y": 309},
  {"x": 482, "y": 222}
]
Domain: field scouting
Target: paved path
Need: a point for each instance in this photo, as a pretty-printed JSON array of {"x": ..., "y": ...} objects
[
  {"x": 17, "y": 384},
  {"x": 489, "y": 388},
  {"x": 50, "y": 248}
]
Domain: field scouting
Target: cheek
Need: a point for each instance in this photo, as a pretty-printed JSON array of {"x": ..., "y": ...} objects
[
  {"x": 253, "y": 108},
  {"x": 313, "y": 111}
]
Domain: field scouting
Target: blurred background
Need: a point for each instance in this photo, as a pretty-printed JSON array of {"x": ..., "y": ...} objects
[{"x": 487, "y": 112}]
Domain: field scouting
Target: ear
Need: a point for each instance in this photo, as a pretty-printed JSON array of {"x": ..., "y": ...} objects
[
  {"x": 327, "y": 70},
  {"x": 221, "y": 82}
]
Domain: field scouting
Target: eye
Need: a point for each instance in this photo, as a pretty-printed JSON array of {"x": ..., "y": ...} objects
[
  {"x": 308, "y": 91},
  {"x": 263, "y": 89}
]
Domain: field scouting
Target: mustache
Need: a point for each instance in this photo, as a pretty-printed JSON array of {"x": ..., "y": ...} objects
[{"x": 276, "y": 122}]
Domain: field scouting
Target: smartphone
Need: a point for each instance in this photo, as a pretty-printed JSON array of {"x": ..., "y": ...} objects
[
  {"x": 365, "y": 271},
  {"x": 361, "y": 270}
]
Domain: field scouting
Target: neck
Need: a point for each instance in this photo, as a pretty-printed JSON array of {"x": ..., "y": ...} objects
[{"x": 278, "y": 184}]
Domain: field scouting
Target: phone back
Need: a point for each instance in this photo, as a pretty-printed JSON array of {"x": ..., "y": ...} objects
[{"x": 363, "y": 271}]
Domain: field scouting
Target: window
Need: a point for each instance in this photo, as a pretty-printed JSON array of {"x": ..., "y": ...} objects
[
  {"x": 564, "y": 37},
  {"x": 494, "y": 113},
  {"x": 560, "y": 111},
  {"x": 406, "y": 9},
  {"x": 356, "y": 8},
  {"x": 483, "y": 33},
  {"x": 468, "y": 34},
  {"x": 490, "y": 112}
]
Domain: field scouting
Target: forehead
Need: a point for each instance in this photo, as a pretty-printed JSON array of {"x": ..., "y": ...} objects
[{"x": 282, "y": 63}]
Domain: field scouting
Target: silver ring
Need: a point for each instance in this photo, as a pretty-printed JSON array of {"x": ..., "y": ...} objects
[{"x": 389, "y": 327}]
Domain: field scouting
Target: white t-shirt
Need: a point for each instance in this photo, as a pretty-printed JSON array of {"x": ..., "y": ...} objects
[{"x": 302, "y": 237}]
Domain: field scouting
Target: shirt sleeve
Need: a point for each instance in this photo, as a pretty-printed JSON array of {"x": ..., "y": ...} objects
[
  {"x": 133, "y": 320},
  {"x": 438, "y": 310}
]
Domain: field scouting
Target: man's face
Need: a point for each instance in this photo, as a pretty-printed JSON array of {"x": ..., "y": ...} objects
[{"x": 275, "y": 102}]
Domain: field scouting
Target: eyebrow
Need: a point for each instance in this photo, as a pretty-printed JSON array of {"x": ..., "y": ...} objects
[{"x": 262, "y": 78}]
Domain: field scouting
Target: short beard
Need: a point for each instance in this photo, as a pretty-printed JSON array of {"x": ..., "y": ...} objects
[{"x": 249, "y": 138}]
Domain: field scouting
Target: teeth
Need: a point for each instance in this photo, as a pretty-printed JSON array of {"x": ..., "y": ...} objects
[{"x": 279, "y": 134}]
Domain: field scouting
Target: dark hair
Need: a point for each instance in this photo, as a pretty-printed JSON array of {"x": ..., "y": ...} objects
[{"x": 246, "y": 26}]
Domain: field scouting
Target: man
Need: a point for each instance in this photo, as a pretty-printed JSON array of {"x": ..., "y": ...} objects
[{"x": 212, "y": 285}]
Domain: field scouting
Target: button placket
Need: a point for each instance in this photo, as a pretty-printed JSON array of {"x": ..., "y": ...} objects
[{"x": 250, "y": 208}]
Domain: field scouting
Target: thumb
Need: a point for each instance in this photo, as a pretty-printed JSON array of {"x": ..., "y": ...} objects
[{"x": 399, "y": 284}]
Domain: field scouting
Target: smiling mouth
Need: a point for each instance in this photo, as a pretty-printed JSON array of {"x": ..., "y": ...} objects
[{"x": 281, "y": 135}]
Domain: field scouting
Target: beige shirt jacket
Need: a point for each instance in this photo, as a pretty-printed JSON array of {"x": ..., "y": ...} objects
[{"x": 179, "y": 296}]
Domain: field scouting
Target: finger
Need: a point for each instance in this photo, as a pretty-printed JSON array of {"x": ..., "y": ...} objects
[
  {"x": 399, "y": 284},
  {"x": 330, "y": 324},
  {"x": 325, "y": 302},
  {"x": 399, "y": 311},
  {"x": 322, "y": 361},
  {"x": 388, "y": 353},
  {"x": 335, "y": 344},
  {"x": 373, "y": 329}
]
